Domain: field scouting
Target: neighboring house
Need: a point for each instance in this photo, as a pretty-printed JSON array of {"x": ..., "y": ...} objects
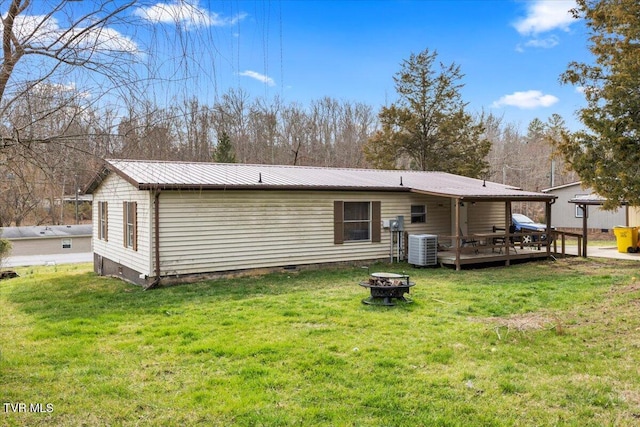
[
  {"x": 158, "y": 220},
  {"x": 48, "y": 239},
  {"x": 569, "y": 216}
]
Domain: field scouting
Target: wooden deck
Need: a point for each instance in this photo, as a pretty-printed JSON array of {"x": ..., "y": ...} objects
[
  {"x": 485, "y": 255},
  {"x": 487, "y": 249}
]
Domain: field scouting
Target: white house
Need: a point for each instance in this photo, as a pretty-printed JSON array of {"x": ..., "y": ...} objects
[
  {"x": 48, "y": 239},
  {"x": 162, "y": 221},
  {"x": 569, "y": 216}
]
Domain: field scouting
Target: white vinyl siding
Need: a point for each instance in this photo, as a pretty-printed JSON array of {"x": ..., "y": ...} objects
[
  {"x": 116, "y": 191},
  {"x": 50, "y": 245},
  {"x": 232, "y": 230},
  {"x": 483, "y": 216},
  {"x": 227, "y": 230},
  {"x": 563, "y": 213}
]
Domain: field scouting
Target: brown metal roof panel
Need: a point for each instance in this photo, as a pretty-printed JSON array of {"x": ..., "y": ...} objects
[
  {"x": 175, "y": 175},
  {"x": 207, "y": 174}
]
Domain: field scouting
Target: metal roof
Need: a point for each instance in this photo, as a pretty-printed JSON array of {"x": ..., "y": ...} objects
[
  {"x": 559, "y": 187},
  {"x": 41, "y": 231},
  {"x": 148, "y": 175},
  {"x": 592, "y": 199}
]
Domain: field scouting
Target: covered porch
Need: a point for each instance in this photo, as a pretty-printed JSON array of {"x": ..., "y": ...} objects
[
  {"x": 494, "y": 249},
  {"x": 481, "y": 229}
]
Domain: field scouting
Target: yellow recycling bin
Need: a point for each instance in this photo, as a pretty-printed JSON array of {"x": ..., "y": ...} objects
[{"x": 627, "y": 238}]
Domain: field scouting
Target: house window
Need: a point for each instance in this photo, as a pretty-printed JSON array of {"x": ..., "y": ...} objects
[
  {"x": 579, "y": 208},
  {"x": 130, "y": 225},
  {"x": 356, "y": 222},
  {"x": 418, "y": 214},
  {"x": 66, "y": 243},
  {"x": 102, "y": 221}
]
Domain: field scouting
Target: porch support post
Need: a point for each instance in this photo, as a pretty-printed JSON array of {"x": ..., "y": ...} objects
[
  {"x": 585, "y": 215},
  {"x": 507, "y": 230},
  {"x": 547, "y": 215},
  {"x": 458, "y": 238}
]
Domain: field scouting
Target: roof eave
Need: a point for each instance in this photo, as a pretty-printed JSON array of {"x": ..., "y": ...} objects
[
  {"x": 218, "y": 187},
  {"x": 492, "y": 198}
]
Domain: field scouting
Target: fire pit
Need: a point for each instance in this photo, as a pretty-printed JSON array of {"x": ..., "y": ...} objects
[{"x": 385, "y": 287}]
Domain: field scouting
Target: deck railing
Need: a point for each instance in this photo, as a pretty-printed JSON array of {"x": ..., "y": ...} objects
[
  {"x": 497, "y": 241},
  {"x": 562, "y": 237}
]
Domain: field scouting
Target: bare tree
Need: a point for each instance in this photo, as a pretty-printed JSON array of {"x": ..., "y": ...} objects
[
  {"x": 59, "y": 45},
  {"x": 196, "y": 132},
  {"x": 231, "y": 116}
]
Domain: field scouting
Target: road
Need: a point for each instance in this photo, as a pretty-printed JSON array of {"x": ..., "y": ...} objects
[{"x": 21, "y": 261}]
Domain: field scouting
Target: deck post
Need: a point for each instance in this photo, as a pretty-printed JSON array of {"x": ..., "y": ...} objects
[
  {"x": 585, "y": 216},
  {"x": 507, "y": 230},
  {"x": 547, "y": 215},
  {"x": 458, "y": 237}
]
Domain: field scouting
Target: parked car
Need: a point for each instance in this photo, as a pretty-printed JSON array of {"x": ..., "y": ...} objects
[{"x": 524, "y": 224}]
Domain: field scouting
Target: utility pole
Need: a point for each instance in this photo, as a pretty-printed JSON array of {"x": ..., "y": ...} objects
[{"x": 76, "y": 190}]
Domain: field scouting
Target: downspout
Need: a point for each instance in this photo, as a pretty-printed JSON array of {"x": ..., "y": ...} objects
[{"x": 156, "y": 232}]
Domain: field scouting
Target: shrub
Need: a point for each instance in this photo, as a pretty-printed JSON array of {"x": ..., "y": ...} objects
[{"x": 5, "y": 248}]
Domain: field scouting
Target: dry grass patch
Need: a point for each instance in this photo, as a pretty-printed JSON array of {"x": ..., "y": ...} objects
[{"x": 521, "y": 322}]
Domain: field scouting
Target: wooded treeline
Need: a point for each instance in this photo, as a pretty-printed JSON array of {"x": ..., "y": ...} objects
[
  {"x": 37, "y": 173},
  {"x": 54, "y": 134}
]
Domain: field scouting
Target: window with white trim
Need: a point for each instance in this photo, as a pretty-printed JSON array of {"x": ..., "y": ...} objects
[
  {"x": 418, "y": 214},
  {"x": 103, "y": 223},
  {"x": 579, "y": 208},
  {"x": 357, "y": 221},
  {"x": 129, "y": 216}
]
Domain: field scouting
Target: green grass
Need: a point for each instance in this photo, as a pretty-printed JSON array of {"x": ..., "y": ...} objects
[{"x": 537, "y": 344}]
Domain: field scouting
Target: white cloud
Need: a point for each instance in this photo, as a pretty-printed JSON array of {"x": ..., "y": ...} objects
[
  {"x": 546, "y": 43},
  {"x": 546, "y": 15},
  {"x": 185, "y": 13},
  {"x": 44, "y": 87},
  {"x": 43, "y": 31},
  {"x": 526, "y": 100},
  {"x": 260, "y": 77}
]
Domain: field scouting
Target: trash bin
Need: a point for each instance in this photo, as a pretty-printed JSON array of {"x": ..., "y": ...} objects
[{"x": 626, "y": 238}]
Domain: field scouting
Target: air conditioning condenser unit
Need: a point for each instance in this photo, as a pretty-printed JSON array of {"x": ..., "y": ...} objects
[{"x": 423, "y": 249}]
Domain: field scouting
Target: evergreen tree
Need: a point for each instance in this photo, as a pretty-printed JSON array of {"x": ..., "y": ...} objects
[
  {"x": 224, "y": 150},
  {"x": 428, "y": 125},
  {"x": 606, "y": 154}
]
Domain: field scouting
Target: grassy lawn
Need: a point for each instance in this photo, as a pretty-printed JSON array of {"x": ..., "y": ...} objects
[{"x": 537, "y": 344}]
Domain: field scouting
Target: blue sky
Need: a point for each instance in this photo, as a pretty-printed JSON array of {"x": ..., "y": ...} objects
[{"x": 512, "y": 52}]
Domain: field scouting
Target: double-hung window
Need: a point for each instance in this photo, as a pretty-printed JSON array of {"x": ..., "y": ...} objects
[
  {"x": 579, "y": 208},
  {"x": 418, "y": 214},
  {"x": 130, "y": 214},
  {"x": 103, "y": 221},
  {"x": 356, "y": 222}
]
